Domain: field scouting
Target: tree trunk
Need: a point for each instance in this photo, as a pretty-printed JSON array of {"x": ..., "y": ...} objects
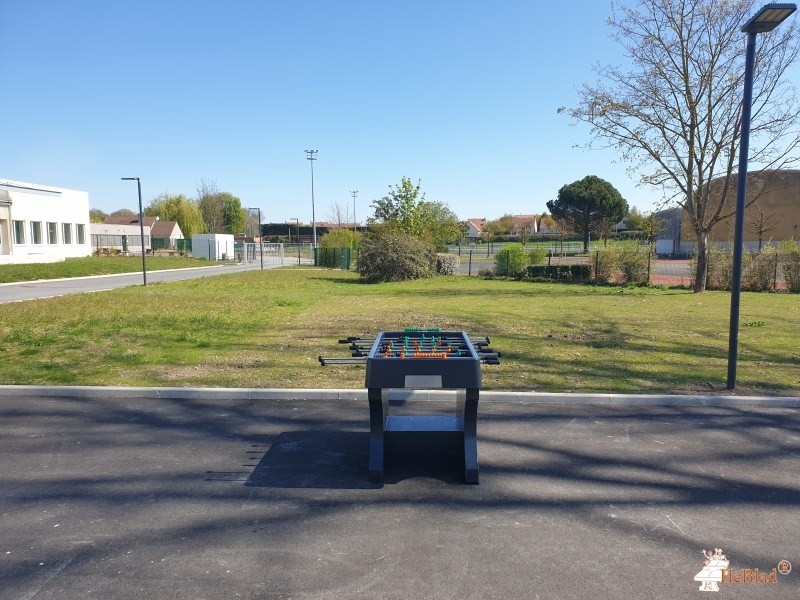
[
  {"x": 701, "y": 275},
  {"x": 586, "y": 231}
]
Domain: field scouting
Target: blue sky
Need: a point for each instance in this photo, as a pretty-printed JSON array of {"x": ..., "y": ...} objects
[{"x": 460, "y": 95}]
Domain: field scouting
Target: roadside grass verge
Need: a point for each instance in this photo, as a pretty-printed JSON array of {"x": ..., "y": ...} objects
[
  {"x": 94, "y": 265},
  {"x": 267, "y": 328}
]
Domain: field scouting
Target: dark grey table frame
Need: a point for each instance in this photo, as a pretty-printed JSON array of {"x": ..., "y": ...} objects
[{"x": 382, "y": 424}]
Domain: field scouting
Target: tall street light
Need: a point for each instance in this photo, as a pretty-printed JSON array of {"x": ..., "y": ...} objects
[
  {"x": 766, "y": 19},
  {"x": 354, "y": 193},
  {"x": 260, "y": 242},
  {"x": 312, "y": 156},
  {"x": 141, "y": 223}
]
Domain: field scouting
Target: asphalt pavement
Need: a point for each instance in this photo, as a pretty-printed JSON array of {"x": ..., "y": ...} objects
[
  {"x": 48, "y": 288},
  {"x": 155, "y": 493}
]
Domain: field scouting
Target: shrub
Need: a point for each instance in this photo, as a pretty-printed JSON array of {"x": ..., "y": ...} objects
[
  {"x": 720, "y": 269},
  {"x": 606, "y": 262},
  {"x": 447, "y": 264},
  {"x": 537, "y": 256},
  {"x": 511, "y": 261},
  {"x": 340, "y": 238},
  {"x": 759, "y": 270},
  {"x": 390, "y": 255},
  {"x": 790, "y": 265},
  {"x": 633, "y": 263}
]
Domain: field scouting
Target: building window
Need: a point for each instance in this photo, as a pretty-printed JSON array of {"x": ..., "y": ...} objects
[
  {"x": 66, "y": 233},
  {"x": 19, "y": 232},
  {"x": 52, "y": 233},
  {"x": 36, "y": 232},
  {"x": 80, "y": 233}
]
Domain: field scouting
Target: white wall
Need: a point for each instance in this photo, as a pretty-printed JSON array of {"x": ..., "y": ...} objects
[{"x": 33, "y": 203}]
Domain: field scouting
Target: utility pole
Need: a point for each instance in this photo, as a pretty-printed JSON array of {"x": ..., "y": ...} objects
[
  {"x": 354, "y": 193},
  {"x": 312, "y": 156}
]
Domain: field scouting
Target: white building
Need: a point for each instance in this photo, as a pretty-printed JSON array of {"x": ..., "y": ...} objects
[
  {"x": 213, "y": 246},
  {"x": 108, "y": 237},
  {"x": 41, "y": 223}
]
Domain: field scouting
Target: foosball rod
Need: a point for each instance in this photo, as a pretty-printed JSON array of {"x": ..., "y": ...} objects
[
  {"x": 324, "y": 361},
  {"x": 370, "y": 341}
]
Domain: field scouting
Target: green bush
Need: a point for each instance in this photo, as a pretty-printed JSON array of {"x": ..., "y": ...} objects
[
  {"x": 790, "y": 265},
  {"x": 340, "y": 238},
  {"x": 447, "y": 264},
  {"x": 634, "y": 263},
  {"x": 606, "y": 263},
  {"x": 759, "y": 270},
  {"x": 720, "y": 268},
  {"x": 390, "y": 255},
  {"x": 511, "y": 261},
  {"x": 537, "y": 256}
]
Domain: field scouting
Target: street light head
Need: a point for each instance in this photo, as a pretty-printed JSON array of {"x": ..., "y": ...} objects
[
  {"x": 129, "y": 178},
  {"x": 769, "y": 17}
]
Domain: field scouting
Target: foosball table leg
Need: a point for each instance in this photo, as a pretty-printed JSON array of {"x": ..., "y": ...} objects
[
  {"x": 470, "y": 415},
  {"x": 376, "y": 434}
]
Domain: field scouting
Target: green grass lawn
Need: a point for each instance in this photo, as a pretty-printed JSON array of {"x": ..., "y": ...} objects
[
  {"x": 94, "y": 265},
  {"x": 267, "y": 328}
]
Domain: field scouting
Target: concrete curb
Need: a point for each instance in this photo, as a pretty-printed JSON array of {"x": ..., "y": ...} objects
[{"x": 177, "y": 393}]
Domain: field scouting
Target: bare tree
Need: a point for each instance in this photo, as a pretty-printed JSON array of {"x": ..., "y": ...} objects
[
  {"x": 605, "y": 229},
  {"x": 675, "y": 115},
  {"x": 339, "y": 216},
  {"x": 252, "y": 225},
  {"x": 210, "y": 202},
  {"x": 761, "y": 225}
]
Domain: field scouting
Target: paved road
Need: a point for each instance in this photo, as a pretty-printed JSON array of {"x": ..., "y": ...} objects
[
  {"x": 197, "y": 496},
  {"x": 31, "y": 290}
]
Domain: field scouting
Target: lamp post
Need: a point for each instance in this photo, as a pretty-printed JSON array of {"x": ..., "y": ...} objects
[
  {"x": 260, "y": 242},
  {"x": 297, "y": 221},
  {"x": 312, "y": 156},
  {"x": 141, "y": 224},
  {"x": 766, "y": 19}
]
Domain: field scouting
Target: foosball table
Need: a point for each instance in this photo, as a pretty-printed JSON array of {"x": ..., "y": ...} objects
[{"x": 421, "y": 358}]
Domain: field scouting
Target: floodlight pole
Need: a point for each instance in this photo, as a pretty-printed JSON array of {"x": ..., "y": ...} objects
[
  {"x": 141, "y": 224},
  {"x": 766, "y": 19},
  {"x": 312, "y": 156}
]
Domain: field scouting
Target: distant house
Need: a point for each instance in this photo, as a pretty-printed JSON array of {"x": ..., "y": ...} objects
[
  {"x": 158, "y": 234},
  {"x": 524, "y": 225},
  {"x": 41, "y": 223},
  {"x": 475, "y": 228},
  {"x": 166, "y": 234}
]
